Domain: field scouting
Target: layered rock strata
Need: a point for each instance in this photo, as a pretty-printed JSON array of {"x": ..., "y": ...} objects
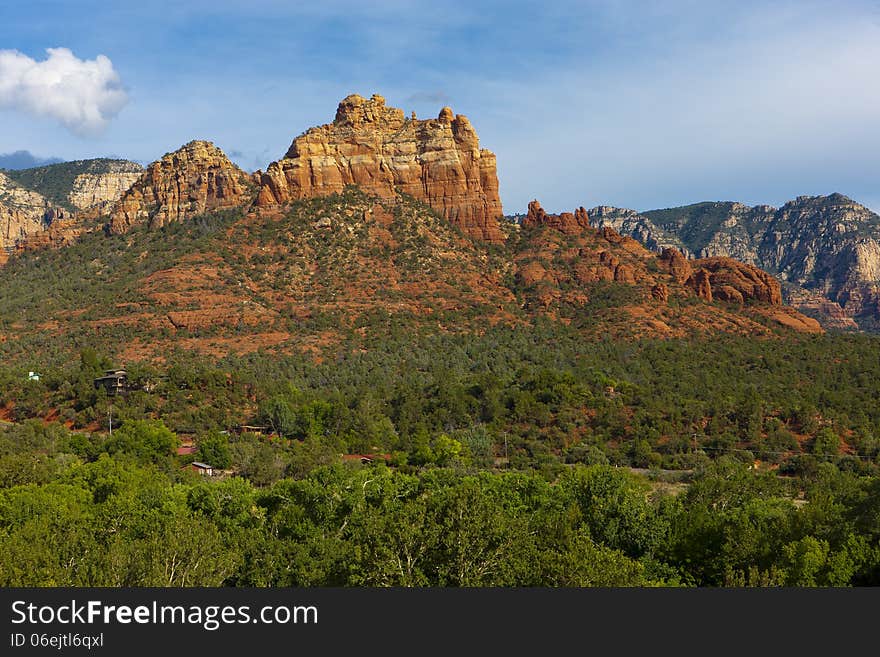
[
  {"x": 195, "y": 179},
  {"x": 437, "y": 161}
]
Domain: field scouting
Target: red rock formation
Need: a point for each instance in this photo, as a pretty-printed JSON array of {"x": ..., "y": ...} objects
[
  {"x": 732, "y": 280},
  {"x": 566, "y": 222},
  {"x": 675, "y": 263},
  {"x": 196, "y": 178},
  {"x": 723, "y": 279},
  {"x": 61, "y": 232},
  {"x": 438, "y": 161},
  {"x": 536, "y": 216},
  {"x": 23, "y": 212},
  {"x": 701, "y": 284},
  {"x": 660, "y": 291},
  {"x": 729, "y": 293}
]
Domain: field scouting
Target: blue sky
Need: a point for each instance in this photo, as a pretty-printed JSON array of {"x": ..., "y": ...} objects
[{"x": 634, "y": 104}]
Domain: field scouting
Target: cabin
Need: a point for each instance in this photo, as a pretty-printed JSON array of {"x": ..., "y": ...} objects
[
  {"x": 114, "y": 382},
  {"x": 202, "y": 468},
  {"x": 365, "y": 459}
]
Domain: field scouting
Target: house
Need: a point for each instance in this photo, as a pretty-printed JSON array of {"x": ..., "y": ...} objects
[
  {"x": 202, "y": 468},
  {"x": 114, "y": 381},
  {"x": 366, "y": 458}
]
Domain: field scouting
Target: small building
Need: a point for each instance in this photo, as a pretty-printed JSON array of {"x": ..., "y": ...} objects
[
  {"x": 33, "y": 376},
  {"x": 366, "y": 459},
  {"x": 202, "y": 468},
  {"x": 114, "y": 381},
  {"x": 250, "y": 428}
]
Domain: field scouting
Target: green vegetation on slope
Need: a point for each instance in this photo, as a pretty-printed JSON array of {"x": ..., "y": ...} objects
[
  {"x": 54, "y": 181},
  {"x": 500, "y": 451},
  {"x": 695, "y": 225},
  {"x": 542, "y": 398}
]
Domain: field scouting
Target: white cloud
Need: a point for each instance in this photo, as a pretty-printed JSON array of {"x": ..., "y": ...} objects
[{"x": 83, "y": 95}]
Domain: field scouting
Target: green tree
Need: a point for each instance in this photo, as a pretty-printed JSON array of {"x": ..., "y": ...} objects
[
  {"x": 213, "y": 448},
  {"x": 148, "y": 441},
  {"x": 826, "y": 443}
]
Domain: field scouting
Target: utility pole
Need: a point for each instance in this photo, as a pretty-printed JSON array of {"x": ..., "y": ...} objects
[{"x": 110, "y": 415}]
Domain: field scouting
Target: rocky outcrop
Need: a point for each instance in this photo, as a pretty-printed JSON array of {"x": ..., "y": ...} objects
[
  {"x": 565, "y": 266},
  {"x": 660, "y": 291},
  {"x": 727, "y": 279},
  {"x": 195, "y": 179},
  {"x": 568, "y": 223},
  {"x": 100, "y": 190},
  {"x": 700, "y": 283},
  {"x": 722, "y": 279},
  {"x": 437, "y": 161},
  {"x": 60, "y": 233},
  {"x": 22, "y": 213},
  {"x": 673, "y": 261}
]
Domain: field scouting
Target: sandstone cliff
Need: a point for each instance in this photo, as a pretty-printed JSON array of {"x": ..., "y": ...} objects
[
  {"x": 437, "y": 161},
  {"x": 100, "y": 190},
  {"x": 80, "y": 185},
  {"x": 59, "y": 233},
  {"x": 22, "y": 212},
  {"x": 196, "y": 178}
]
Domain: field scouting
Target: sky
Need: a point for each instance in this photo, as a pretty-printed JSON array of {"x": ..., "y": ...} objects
[{"x": 639, "y": 104}]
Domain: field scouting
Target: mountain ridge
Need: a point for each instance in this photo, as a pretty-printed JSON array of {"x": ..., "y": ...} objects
[
  {"x": 824, "y": 249},
  {"x": 442, "y": 256}
]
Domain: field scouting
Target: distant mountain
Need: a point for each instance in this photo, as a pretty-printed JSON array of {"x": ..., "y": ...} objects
[
  {"x": 24, "y": 160},
  {"x": 631, "y": 223},
  {"x": 824, "y": 249},
  {"x": 80, "y": 184}
]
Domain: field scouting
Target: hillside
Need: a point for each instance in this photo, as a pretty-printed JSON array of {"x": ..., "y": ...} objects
[
  {"x": 609, "y": 284},
  {"x": 323, "y": 269},
  {"x": 233, "y": 282},
  {"x": 198, "y": 254}
]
